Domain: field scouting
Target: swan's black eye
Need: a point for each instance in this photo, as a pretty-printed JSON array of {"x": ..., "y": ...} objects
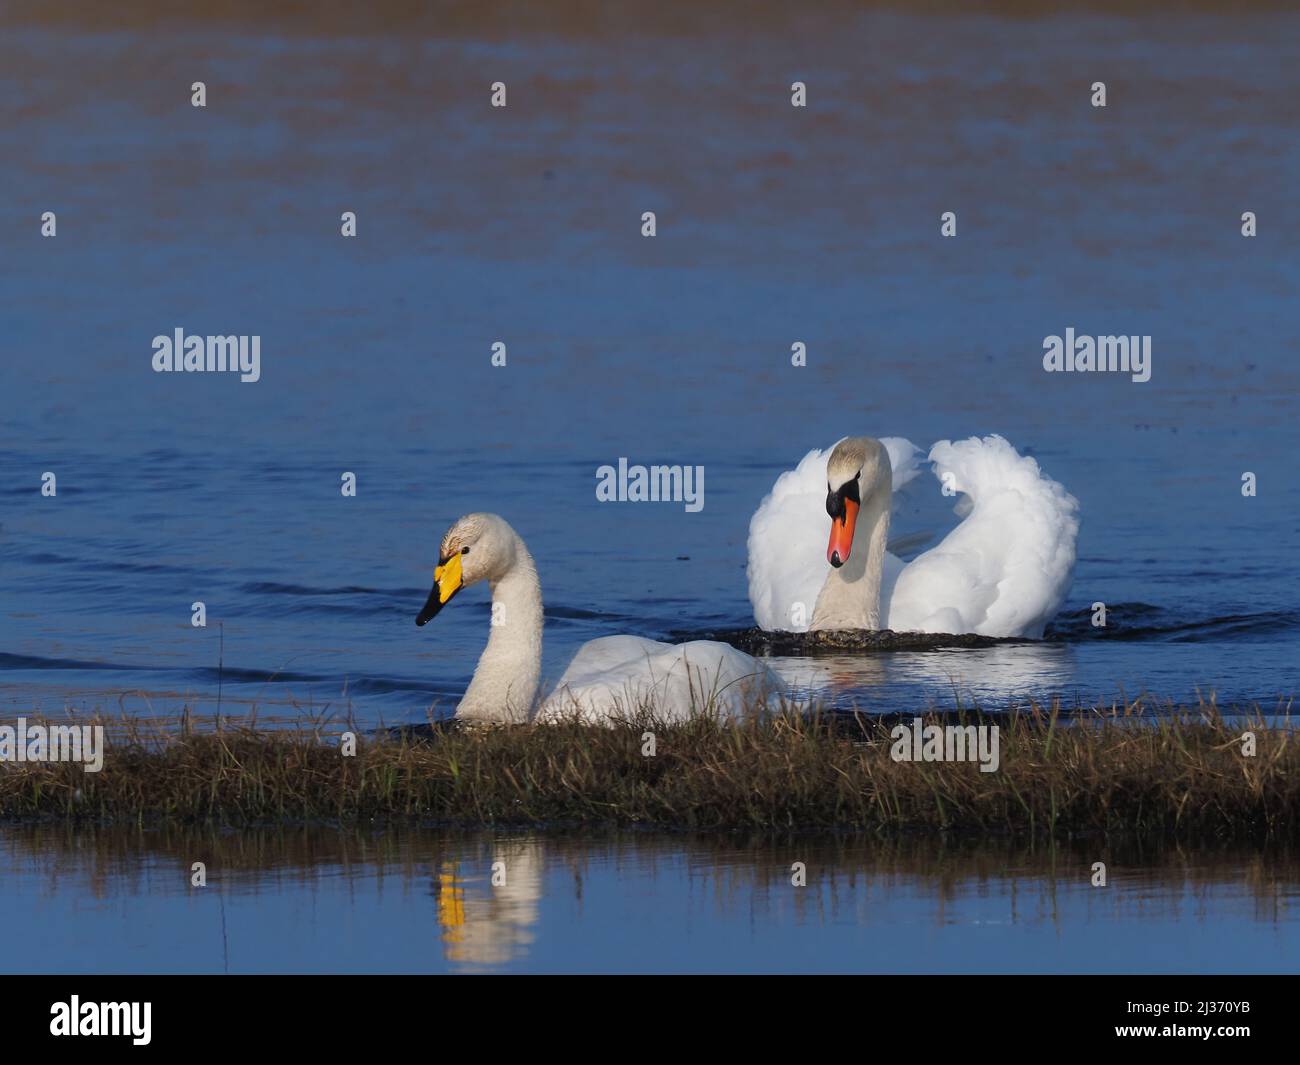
[
  {"x": 858, "y": 476},
  {"x": 464, "y": 550}
]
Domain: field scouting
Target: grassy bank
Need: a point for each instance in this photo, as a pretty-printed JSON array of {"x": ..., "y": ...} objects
[{"x": 1178, "y": 772}]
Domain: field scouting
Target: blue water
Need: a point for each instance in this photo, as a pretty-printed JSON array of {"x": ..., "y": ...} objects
[
  {"x": 522, "y": 225},
  {"x": 405, "y": 901}
]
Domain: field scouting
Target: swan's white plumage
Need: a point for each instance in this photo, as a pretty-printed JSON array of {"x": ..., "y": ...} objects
[
  {"x": 608, "y": 680},
  {"x": 785, "y": 573},
  {"x": 1004, "y": 571},
  {"x": 616, "y": 675}
]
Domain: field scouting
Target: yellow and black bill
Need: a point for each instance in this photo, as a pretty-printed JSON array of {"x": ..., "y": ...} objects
[{"x": 446, "y": 583}]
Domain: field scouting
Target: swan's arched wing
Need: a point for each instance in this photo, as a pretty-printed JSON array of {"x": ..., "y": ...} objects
[
  {"x": 787, "y": 547},
  {"x": 788, "y": 533},
  {"x": 905, "y": 460},
  {"x": 616, "y": 676},
  {"x": 1006, "y": 569}
]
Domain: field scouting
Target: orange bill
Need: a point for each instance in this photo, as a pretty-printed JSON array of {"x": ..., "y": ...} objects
[{"x": 837, "y": 551}]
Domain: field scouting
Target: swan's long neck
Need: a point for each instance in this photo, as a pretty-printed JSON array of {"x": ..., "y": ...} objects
[
  {"x": 505, "y": 681},
  {"x": 850, "y": 598}
]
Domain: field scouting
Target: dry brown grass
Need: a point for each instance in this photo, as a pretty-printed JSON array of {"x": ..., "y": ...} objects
[{"x": 1128, "y": 769}]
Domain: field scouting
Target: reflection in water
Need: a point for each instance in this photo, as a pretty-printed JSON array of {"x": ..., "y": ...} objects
[
  {"x": 488, "y": 919},
  {"x": 960, "y": 676},
  {"x": 321, "y": 899}
]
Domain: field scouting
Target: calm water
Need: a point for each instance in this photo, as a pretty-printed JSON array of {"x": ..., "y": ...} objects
[
  {"x": 522, "y": 225},
  {"x": 316, "y": 900}
]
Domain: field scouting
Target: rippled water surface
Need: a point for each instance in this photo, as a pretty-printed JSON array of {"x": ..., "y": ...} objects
[{"x": 522, "y": 225}]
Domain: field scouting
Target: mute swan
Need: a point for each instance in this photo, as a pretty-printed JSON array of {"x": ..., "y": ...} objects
[
  {"x": 1004, "y": 571},
  {"x": 608, "y": 679}
]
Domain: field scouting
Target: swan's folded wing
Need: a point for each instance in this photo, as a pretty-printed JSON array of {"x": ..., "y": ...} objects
[{"x": 616, "y": 677}]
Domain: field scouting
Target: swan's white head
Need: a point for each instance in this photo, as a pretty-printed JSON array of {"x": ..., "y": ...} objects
[
  {"x": 853, "y": 471},
  {"x": 479, "y": 547}
]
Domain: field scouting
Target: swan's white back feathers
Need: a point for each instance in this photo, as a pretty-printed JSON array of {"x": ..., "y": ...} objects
[{"x": 614, "y": 676}]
